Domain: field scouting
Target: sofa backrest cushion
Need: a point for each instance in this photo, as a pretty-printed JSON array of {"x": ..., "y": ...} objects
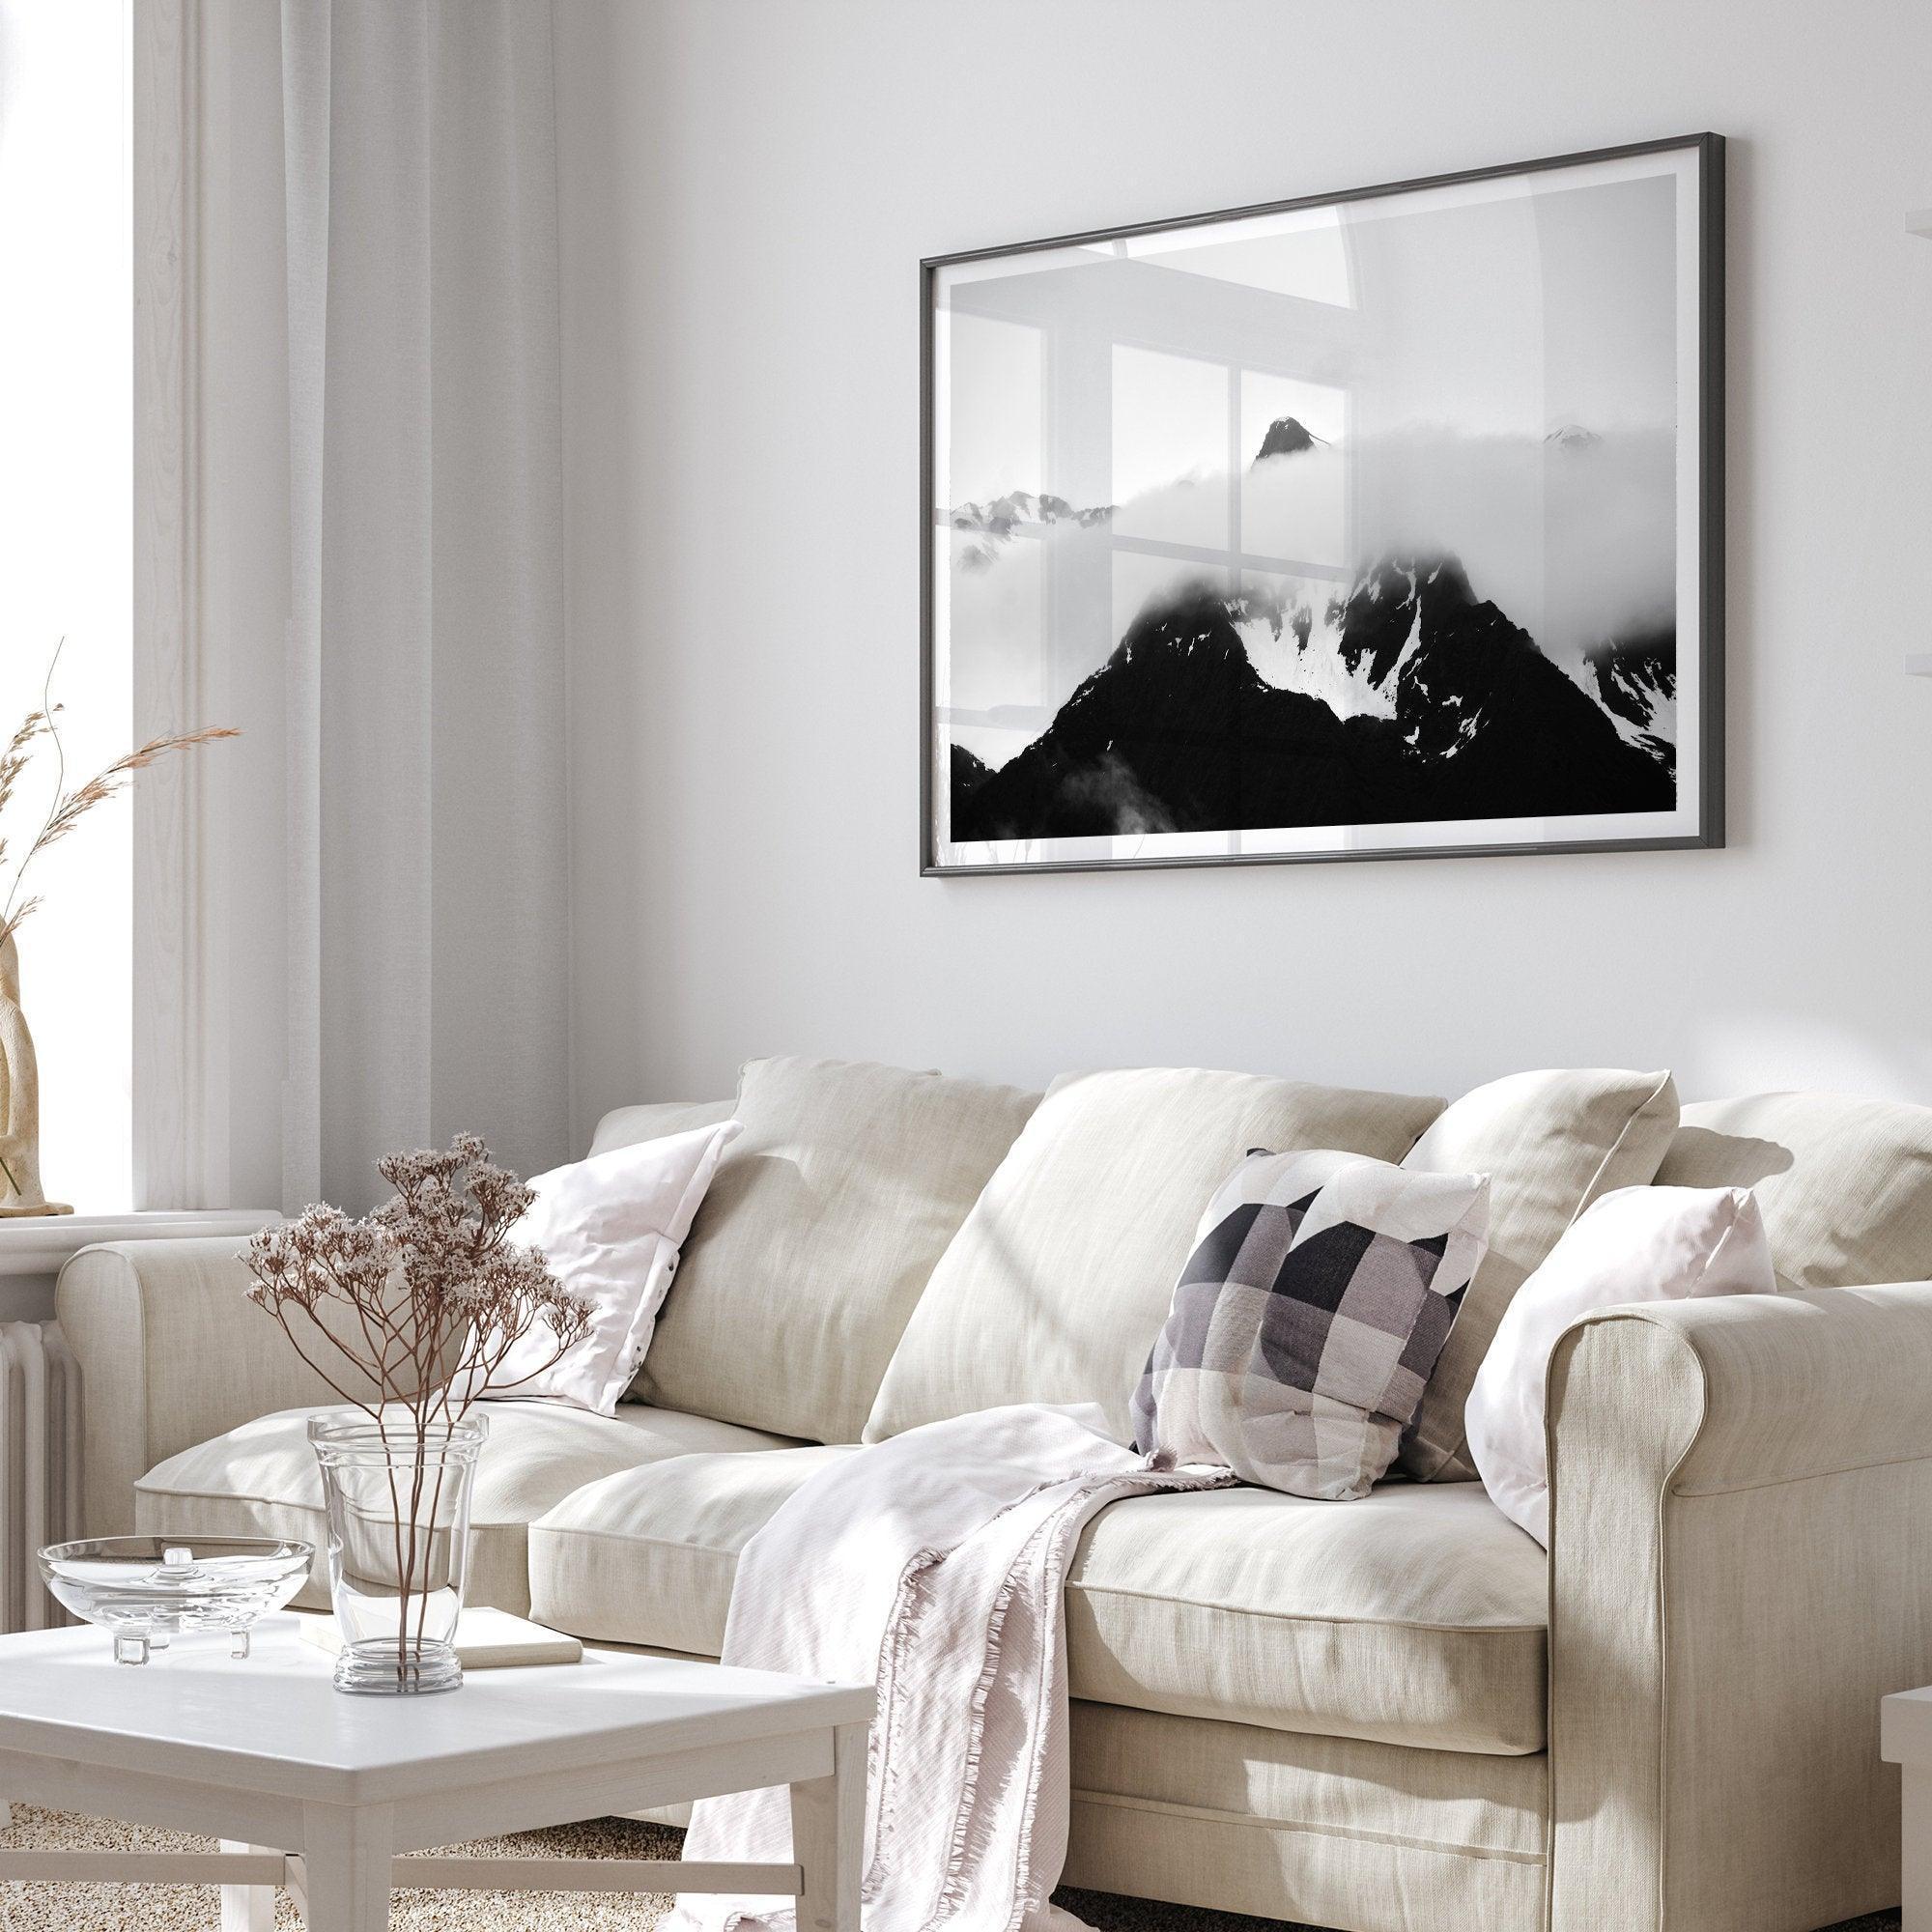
[
  {"x": 1844, "y": 1182},
  {"x": 817, "y": 1237},
  {"x": 1552, "y": 1143},
  {"x": 1060, "y": 1278},
  {"x": 628, "y": 1127}
]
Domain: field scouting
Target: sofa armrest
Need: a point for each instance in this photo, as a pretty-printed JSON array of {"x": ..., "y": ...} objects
[
  {"x": 1740, "y": 1567},
  {"x": 170, "y": 1354}
]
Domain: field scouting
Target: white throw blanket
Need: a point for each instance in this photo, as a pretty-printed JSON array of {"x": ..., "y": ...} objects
[{"x": 933, "y": 1563}]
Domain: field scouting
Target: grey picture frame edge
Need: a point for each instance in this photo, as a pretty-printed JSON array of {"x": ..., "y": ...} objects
[
  {"x": 1711, "y": 328},
  {"x": 1711, "y": 478}
]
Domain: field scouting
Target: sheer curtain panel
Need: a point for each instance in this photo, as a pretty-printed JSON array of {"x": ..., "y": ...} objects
[{"x": 426, "y": 911}]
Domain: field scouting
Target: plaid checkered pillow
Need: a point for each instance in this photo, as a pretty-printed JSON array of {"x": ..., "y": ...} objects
[{"x": 1306, "y": 1323}]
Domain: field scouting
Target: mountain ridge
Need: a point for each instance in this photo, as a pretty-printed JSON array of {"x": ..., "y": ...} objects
[{"x": 1179, "y": 731}]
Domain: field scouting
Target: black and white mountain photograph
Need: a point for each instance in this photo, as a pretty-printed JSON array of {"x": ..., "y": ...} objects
[{"x": 1354, "y": 529}]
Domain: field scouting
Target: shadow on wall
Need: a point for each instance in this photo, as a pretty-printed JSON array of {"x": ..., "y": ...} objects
[{"x": 1761, "y": 1052}]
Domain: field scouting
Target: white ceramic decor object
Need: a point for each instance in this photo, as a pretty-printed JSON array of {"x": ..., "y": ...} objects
[
  {"x": 611, "y": 1228},
  {"x": 1638, "y": 1244}
]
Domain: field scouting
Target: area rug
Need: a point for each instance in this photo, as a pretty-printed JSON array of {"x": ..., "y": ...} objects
[{"x": 192, "y": 1907}]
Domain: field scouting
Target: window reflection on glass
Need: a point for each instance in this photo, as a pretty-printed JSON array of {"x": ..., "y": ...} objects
[
  {"x": 1301, "y": 252},
  {"x": 1170, "y": 447},
  {"x": 999, "y": 697},
  {"x": 993, "y": 430}
]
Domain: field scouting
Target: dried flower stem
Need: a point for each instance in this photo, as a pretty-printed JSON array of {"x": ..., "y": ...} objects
[{"x": 67, "y": 809}]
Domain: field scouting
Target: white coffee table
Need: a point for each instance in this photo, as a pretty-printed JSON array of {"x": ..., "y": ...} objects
[
  {"x": 1905, "y": 1739},
  {"x": 319, "y": 1792}
]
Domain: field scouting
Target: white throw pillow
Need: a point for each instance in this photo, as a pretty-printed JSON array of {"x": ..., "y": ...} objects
[
  {"x": 1638, "y": 1244},
  {"x": 611, "y": 1227}
]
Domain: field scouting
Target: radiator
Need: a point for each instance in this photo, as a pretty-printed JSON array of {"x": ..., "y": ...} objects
[{"x": 40, "y": 1465}]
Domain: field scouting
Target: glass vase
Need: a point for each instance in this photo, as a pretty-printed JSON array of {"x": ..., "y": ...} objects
[{"x": 397, "y": 1494}]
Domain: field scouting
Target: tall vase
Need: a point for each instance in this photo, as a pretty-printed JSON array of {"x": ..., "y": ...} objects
[
  {"x": 19, "y": 1100},
  {"x": 397, "y": 1494}
]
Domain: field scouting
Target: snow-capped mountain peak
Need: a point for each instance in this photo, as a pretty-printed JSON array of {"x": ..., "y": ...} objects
[
  {"x": 1287, "y": 435},
  {"x": 997, "y": 521}
]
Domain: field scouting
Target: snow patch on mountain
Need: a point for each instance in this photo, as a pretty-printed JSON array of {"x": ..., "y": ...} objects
[
  {"x": 1296, "y": 635},
  {"x": 1292, "y": 631},
  {"x": 1634, "y": 681}
]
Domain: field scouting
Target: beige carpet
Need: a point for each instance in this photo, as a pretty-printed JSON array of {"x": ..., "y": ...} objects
[
  {"x": 195, "y": 1908},
  {"x": 187, "y": 1907}
]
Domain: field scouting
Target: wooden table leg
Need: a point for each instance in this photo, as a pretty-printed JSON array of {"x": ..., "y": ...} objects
[
  {"x": 346, "y": 1853},
  {"x": 828, "y": 1834},
  {"x": 246, "y": 1908}
]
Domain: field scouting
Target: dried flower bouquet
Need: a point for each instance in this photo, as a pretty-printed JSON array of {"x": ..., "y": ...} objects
[{"x": 407, "y": 1313}]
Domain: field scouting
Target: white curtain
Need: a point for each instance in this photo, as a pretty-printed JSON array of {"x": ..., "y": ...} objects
[{"x": 426, "y": 899}]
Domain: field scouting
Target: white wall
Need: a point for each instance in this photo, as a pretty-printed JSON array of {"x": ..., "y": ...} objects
[{"x": 747, "y": 186}]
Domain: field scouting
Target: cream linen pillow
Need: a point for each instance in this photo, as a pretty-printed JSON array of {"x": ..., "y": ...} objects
[
  {"x": 1638, "y": 1244},
  {"x": 1060, "y": 1280},
  {"x": 816, "y": 1239},
  {"x": 610, "y": 1227},
  {"x": 1844, "y": 1182},
  {"x": 1552, "y": 1143}
]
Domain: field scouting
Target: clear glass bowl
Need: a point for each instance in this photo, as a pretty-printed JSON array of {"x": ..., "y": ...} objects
[{"x": 145, "y": 1590}]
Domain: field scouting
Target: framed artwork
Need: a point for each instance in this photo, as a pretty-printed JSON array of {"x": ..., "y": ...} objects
[{"x": 1364, "y": 525}]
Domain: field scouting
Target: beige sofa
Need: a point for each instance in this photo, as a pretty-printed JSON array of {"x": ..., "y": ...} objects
[{"x": 1396, "y": 1715}]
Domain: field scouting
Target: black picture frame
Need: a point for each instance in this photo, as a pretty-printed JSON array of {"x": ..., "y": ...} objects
[{"x": 1708, "y": 150}]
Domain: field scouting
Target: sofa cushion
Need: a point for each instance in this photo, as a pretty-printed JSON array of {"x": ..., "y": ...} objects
[
  {"x": 626, "y": 1127},
  {"x": 262, "y": 1480},
  {"x": 1415, "y": 1616},
  {"x": 1060, "y": 1278},
  {"x": 1289, "y": 1827},
  {"x": 620, "y": 1561},
  {"x": 816, "y": 1239},
  {"x": 1844, "y": 1182},
  {"x": 1552, "y": 1143}
]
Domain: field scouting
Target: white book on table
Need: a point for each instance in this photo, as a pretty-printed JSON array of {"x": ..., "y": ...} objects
[{"x": 485, "y": 1639}]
